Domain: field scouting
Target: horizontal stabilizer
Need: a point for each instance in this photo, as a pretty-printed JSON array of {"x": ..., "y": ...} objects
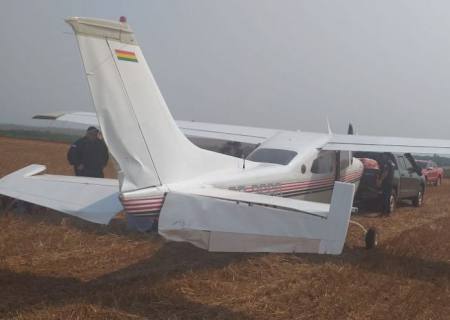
[
  {"x": 308, "y": 207},
  {"x": 92, "y": 199},
  {"x": 222, "y": 221}
]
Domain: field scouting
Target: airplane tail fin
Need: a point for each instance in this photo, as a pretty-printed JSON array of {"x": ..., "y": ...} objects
[{"x": 135, "y": 121}]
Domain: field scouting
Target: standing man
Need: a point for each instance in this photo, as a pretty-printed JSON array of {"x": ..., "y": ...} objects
[
  {"x": 386, "y": 181},
  {"x": 89, "y": 155}
]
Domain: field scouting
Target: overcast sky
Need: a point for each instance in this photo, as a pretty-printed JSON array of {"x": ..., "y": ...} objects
[{"x": 384, "y": 65}]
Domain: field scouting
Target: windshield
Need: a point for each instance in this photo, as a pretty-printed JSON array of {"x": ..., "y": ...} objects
[{"x": 277, "y": 156}]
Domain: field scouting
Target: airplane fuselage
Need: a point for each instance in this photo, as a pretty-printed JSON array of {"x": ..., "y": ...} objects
[{"x": 303, "y": 172}]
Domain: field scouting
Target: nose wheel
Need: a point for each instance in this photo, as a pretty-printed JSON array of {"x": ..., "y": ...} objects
[
  {"x": 371, "y": 238},
  {"x": 370, "y": 235}
]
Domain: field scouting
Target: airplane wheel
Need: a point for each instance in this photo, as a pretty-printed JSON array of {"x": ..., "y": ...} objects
[{"x": 371, "y": 238}]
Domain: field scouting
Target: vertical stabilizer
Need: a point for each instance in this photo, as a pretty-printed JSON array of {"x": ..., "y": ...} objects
[{"x": 137, "y": 125}]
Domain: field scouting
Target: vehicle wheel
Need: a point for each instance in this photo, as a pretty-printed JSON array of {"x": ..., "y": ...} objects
[
  {"x": 418, "y": 200},
  {"x": 438, "y": 182},
  {"x": 392, "y": 204},
  {"x": 371, "y": 238}
]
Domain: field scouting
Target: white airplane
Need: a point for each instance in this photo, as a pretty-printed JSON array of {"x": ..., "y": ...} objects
[{"x": 273, "y": 201}]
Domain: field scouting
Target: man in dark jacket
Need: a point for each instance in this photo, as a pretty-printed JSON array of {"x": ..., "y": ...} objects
[
  {"x": 88, "y": 155},
  {"x": 387, "y": 167}
]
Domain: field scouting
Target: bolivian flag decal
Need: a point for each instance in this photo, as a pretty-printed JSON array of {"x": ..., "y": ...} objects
[{"x": 126, "y": 55}]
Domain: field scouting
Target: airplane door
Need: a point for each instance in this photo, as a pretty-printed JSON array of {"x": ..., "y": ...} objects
[
  {"x": 324, "y": 166},
  {"x": 343, "y": 162},
  {"x": 323, "y": 173}
]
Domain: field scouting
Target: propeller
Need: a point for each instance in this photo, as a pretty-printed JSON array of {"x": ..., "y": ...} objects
[{"x": 350, "y": 129}]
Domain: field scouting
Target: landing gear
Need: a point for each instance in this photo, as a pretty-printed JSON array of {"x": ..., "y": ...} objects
[
  {"x": 370, "y": 235},
  {"x": 371, "y": 238}
]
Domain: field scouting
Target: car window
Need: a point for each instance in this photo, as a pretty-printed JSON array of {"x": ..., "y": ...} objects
[
  {"x": 422, "y": 164},
  {"x": 401, "y": 163},
  {"x": 277, "y": 156},
  {"x": 324, "y": 163},
  {"x": 409, "y": 165}
]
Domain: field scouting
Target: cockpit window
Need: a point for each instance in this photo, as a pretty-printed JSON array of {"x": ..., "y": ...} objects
[{"x": 277, "y": 156}]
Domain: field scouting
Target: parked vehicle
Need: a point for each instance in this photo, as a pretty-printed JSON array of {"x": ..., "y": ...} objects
[
  {"x": 431, "y": 172},
  {"x": 408, "y": 182}
]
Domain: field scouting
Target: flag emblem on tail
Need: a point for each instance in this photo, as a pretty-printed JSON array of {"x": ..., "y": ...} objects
[{"x": 126, "y": 55}]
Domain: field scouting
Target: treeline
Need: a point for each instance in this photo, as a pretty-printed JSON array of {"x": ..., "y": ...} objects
[
  {"x": 38, "y": 135},
  {"x": 439, "y": 160}
]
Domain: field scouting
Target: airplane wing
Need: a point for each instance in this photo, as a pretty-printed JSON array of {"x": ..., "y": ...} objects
[
  {"x": 91, "y": 199},
  {"x": 87, "y": 118},
  {"x": 231, "y": 221},
  {"x": 251, "y": 135},
  {"x": 387, "y": 144}
]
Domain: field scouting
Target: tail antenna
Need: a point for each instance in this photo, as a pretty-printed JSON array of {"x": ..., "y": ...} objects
[{"x": 330, "y": 132}]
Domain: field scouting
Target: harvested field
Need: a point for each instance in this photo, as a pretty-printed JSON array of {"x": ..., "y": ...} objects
[{"x": 56, "y": 267}]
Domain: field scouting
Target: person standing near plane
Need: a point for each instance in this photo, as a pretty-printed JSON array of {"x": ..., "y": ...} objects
[
  {"x": 386, "y": 180},
  {"x": 89, "y": 155}
]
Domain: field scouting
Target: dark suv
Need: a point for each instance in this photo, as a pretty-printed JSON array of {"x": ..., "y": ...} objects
[{"x": 408, "y": 182}]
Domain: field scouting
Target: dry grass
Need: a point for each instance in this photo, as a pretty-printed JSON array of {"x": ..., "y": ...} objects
[
  {"x": 18, "y": 153},
  {"x": 54, "y": 267}
]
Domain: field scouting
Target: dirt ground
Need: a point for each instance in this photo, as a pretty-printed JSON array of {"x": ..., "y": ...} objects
[{"x": 56, "y": 267}]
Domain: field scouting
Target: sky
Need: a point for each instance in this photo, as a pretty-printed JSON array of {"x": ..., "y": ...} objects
[{"x": 383, "y": 65}]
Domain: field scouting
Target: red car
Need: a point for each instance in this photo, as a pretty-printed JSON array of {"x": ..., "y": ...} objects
[{"x": 431, "y": 172}]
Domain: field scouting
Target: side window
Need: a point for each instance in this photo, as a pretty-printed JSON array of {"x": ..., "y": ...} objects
[{"x": 324, "y": 163}]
